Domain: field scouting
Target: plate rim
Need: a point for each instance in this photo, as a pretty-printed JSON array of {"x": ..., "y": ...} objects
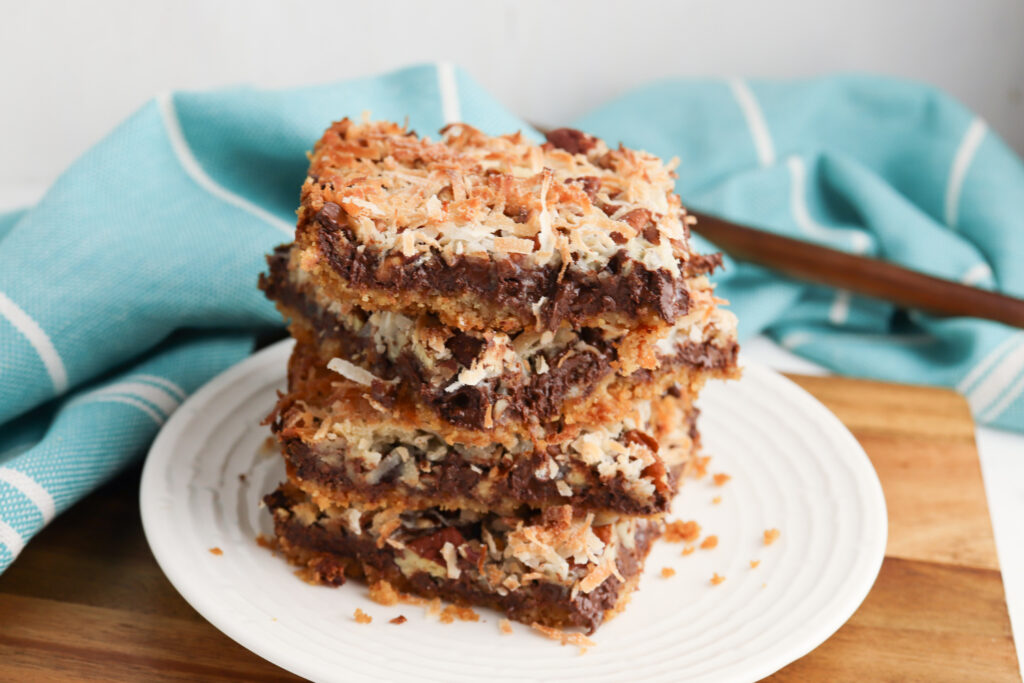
[{"x": 206, "y": 605}]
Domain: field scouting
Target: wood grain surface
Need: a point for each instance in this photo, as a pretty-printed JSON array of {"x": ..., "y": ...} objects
[{"x": 86, "y": 600}]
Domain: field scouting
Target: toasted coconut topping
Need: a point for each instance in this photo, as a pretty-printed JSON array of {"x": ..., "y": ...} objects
[{"x": 561, "y": 203}]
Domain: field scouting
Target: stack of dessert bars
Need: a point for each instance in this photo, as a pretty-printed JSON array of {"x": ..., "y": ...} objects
[{"x": 497, "y": 349}]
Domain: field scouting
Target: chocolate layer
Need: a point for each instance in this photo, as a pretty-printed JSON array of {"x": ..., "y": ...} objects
[
  {"x": 542, "y": 400},
  {"x": 334, "y": 554},
  {"x": 624, "y": 286},
  {"x": 502, "y": 488}
]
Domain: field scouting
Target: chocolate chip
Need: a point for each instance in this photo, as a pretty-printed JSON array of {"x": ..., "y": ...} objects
[
  {"x": 589, "y": 184},
  {"x": 651, "y": 234},
  {"x": 641, "y": 439},
  {"x": 329, "y": 216},
  {"x": 571, "y": 140},
  {"x": 383, "y": 393},
  {"x": 465, "y": 407},
  {"x": 665, "y": 296},
  {"x": 464, "y": 347},
  {"x": 637, "y": 218},
  {"x": 429, "y": 546}
]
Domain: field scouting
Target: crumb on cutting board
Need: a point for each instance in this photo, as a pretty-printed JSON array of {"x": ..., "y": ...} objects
[
  {"x": 216, "y": 551},
  {"x": 400, "y": 619},
  {"x": 716, "y": 579},
  {"x": 361, "y": 617},
  {"x": 709, "y": 542},
  {"x": 754, "y": 563},
  {"x": 689, "y": 549},
  {"x": 716, "y": 500},
  {"x": 668, "y": 572},
  {"x": 721, "y": 478},
  {"x": 771, "y": 535},
  {"x": 506, "y": 626}
]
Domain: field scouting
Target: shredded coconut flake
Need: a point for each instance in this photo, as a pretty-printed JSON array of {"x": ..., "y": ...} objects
[
  {"x": 451, "y": 560},
  {"x": 351, "y": 371}
]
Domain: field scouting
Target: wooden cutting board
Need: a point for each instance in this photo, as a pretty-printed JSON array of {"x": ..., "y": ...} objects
[{"x": 86, "y": 600}]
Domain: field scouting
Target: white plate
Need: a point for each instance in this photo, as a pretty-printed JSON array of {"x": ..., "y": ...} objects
[{"x": 793, "y": 465}]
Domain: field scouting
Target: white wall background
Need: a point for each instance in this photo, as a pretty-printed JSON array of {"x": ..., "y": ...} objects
[{"x": 70, "y": 70}]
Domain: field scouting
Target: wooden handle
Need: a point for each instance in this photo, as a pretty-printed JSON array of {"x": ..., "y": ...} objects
[{"x": 867, "y": 276}]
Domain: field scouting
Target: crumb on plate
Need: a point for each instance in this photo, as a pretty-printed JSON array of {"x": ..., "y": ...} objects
[
  {"x": 400, "y": 619},
  {"x": 721, "y": 478},
  {"x": 453, "y": 612},
  {"x": 506, "y": 626},
  {"x": 771, "y": 535},
  {"x": 216, "y": 551},
  {"x": 709, "y": 542},
  {"x": 716, "y": 579},
  {"x": 679, "y": 531},
  {"x": 754, "y": 563},
  {"x": 689, "y": 549},
  {"x": 668, "y": 572},
  {"x": 716, "y": 500},
  {"x": 361, "y": 617}
]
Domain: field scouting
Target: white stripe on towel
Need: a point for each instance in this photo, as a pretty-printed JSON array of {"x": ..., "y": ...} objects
[
  {"x": 840, "y": 309},
  {"x": 958, "y": 171},
  {"x": 450, "y": 110},
  {"x": 1012, "y": 395},
  {"x": 191, "y": 166},
  {"x": 10, "y": 538},
  {"x": 983, "y": 366},
  {"x": 165, "y": 383},
  {"x": 859, "y": 241},
  {"x": 157, "y": 396},
  {"x": 979, "y": 272},
  {"x": 33, "y": 490},
  {"x": 755, "y": 121},
  {"x": 128, "y": 400},
  {"x": 39, "y": 340},
  {"x": 987, "y": 392}
]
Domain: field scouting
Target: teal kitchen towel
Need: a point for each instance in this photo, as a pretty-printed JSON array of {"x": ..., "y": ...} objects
[{"x": 133, "y": 280}]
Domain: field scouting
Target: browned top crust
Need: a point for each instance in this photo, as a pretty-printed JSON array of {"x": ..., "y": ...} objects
[{"x": 571, "y": 201}]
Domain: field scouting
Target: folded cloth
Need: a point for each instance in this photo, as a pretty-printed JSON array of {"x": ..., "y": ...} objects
[{"x": 133, "y": 280}]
